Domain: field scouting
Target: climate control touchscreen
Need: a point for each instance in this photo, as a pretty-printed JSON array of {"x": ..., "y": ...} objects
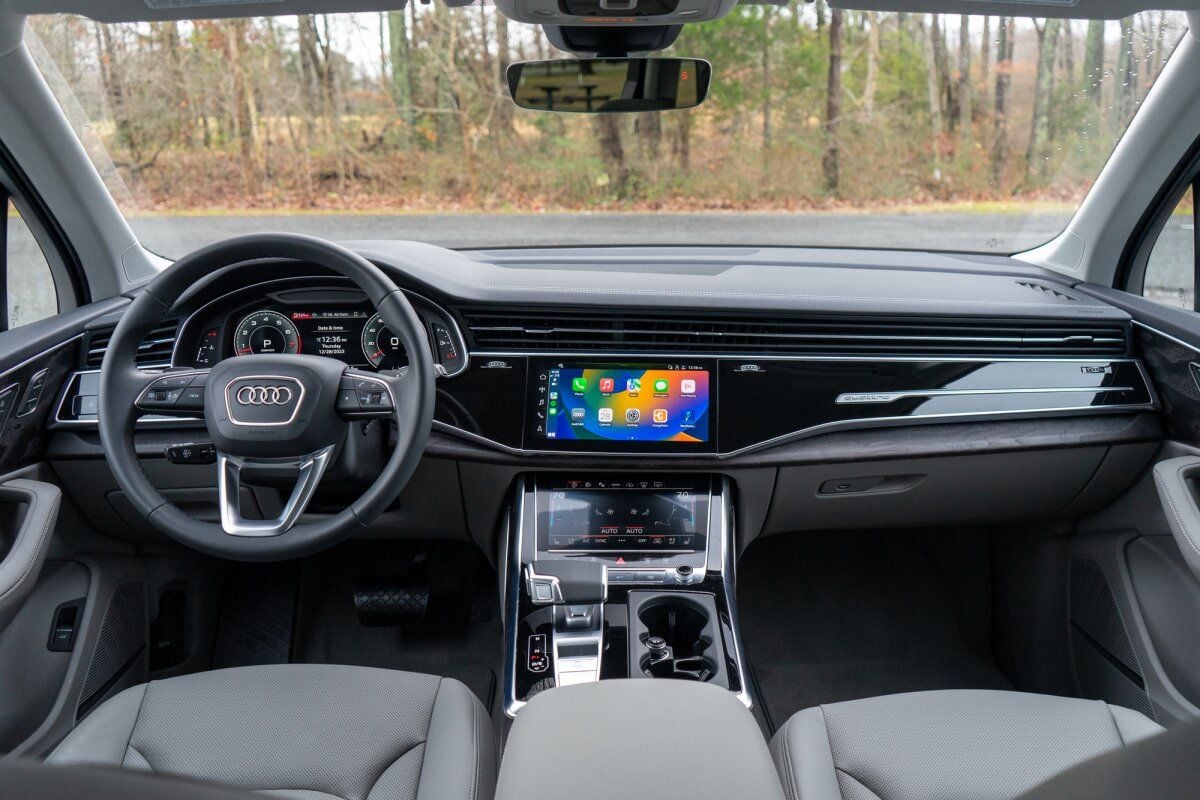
[
  {"x": 665, "y": 406},
  {"x": 614, "y": 516}
]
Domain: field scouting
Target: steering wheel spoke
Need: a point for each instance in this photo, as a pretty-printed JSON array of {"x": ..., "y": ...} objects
[
  {"x": 177, "y": 393},
  {"x": 230, "y": 470}
]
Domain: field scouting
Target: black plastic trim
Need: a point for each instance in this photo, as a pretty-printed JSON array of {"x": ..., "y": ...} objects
[
  {"x": 28, "y": 194},
  {"x": 1132, "y": 263}
]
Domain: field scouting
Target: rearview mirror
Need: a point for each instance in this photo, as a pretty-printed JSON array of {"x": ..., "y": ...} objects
[{"x": 607, "y": 85}]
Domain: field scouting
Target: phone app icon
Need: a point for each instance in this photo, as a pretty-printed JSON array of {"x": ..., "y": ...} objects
[
  {"x": 660, "y": 415},
  {"x": 687, "y": 386},
  {"x": 605, "y": 415},
  {"x": 579, "y": 384},
  {"x": 607, "y": 384},
  {"x": 633, "y": 415},
  {"x": 633, "y": 385},
  {"x": 661, "y": 385}
]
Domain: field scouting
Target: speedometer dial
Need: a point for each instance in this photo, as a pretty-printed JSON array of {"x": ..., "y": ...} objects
[
  {"x": 266, "y": 332},
  {"x": 382, "y": 347}
]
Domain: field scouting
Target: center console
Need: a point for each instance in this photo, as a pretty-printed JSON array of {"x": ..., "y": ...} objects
[{"x": 620, "y": 576}]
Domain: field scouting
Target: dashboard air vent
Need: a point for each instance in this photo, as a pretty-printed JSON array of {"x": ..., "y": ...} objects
[
  {"x": 511, "y": 330},
  {"x": 154, "y": 351}
]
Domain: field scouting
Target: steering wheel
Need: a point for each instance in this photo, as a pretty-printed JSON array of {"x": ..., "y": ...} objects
[{"x": 278, "y": 414}]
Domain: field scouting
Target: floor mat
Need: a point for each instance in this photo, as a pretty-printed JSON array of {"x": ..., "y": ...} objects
[
  {"x": 254, "y": 624},
  {"x": 838, "y": 616},
  {"x": 460, "y": 636}
]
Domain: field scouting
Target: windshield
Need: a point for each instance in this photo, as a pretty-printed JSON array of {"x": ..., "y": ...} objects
[{"x": 822, "y": 127}]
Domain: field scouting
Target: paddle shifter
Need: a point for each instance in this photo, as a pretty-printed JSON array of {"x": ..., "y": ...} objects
[{"x": 576, "y": 590}]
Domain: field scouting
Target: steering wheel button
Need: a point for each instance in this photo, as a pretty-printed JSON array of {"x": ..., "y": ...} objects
[
  {"x": 191, "y": 397},
  {"x": 173, "y": 382},
  {"x": 347, "y": 400}
]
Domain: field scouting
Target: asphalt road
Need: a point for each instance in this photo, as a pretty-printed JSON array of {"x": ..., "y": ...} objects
[{"x": 173, "y": 236}]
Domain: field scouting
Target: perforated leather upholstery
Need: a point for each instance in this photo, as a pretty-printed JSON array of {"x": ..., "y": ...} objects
[
  {"x": 308, "y": 731},
  {"x": 947, "y": 745}
]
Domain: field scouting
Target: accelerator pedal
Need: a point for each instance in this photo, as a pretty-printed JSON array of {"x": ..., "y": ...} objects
[{"x": 387, "y": 602}]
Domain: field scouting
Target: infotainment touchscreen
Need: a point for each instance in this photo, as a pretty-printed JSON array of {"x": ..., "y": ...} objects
[{"x": 634, "y": 406}]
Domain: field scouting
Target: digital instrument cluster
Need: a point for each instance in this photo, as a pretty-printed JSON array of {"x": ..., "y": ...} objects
[{"x": 353, "y": 333}]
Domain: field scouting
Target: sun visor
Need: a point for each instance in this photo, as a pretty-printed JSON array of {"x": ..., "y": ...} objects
[
  {"x": 1076, "y": 9},
  {"x": 152, "y": 10}
]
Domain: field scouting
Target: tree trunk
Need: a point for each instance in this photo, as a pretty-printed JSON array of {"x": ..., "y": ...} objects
[
  {"x": 833, "y": 103},
  {"x": 608, "y": 131},
  {"x": 1004, "y": 54},
  {"x": 683, "y": 146},
  {"x": 765, "y": 55},
  {"x": 1067, "y": 40},
  {"x": 941, "y": 60},
  {"x": 1093, "y": 60},
  {"x": 1125, "y": 99},
  {"x": 985, "y": 67},
  {"x": 504, "y": 116},
  {"x": 466, "y": 129},
  {"x": 398, "y": 48},
  {"x": 935, "y": 101},
  {"x": 872, "y": 64},
  {"x": 1039, "y": 128},
  {"x": 964, "y": 79}
]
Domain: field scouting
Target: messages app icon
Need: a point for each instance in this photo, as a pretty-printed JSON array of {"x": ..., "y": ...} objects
[{"x": 660, "y": 385}]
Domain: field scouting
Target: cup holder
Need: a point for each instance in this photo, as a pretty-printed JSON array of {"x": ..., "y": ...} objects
[{"x": 676, "y": 637}]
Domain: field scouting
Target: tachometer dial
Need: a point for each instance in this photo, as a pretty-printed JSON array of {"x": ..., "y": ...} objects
[
  {"x": 382, "y": 347},
  {"x": 266, "y": 332}
]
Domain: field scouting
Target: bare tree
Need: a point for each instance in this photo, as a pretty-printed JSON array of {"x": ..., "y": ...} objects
[
  {"x": 872, "y": 81},
  {"x": 833, "y": 103},
  {"x": 964, "y": 79},
  {"x": 1039, "y": 127},
  {"x": 1093, "y": 59},
  {"x": 1004, "y": 55}
]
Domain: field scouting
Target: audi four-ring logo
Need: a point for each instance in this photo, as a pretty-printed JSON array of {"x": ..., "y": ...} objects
[{"x": 264, "y": 395}]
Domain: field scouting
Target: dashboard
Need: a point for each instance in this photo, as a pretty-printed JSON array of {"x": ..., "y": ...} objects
[{"x": 525, "y": 372}]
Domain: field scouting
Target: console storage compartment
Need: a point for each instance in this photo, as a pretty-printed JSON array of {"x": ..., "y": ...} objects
[{"x": 618, "y": 739}]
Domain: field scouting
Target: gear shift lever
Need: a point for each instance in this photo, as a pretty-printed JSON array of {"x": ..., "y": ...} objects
[{"x": 577, "y": 590}]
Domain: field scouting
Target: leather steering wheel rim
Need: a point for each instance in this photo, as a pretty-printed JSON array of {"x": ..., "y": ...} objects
[{"x": 122, "y": 385}]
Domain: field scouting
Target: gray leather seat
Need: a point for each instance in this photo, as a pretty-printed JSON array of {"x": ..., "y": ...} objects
[
  {"x": 947, "y": 745},
  {"x": 305, "y": 731}
]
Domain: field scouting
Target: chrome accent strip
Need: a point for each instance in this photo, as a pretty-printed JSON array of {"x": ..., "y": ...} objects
[
  {"x": 860, "y": 398},
  {"x": 727, "y": 583},
  {"x": 612, "y": 355},
  {"x": 512, "y": 607},
  {"x": 149, "y": 420},
  {"x": 288, "y": 421},
  {"x": 1174, "y": 339},
  {"x": 312, "y": 467}
]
